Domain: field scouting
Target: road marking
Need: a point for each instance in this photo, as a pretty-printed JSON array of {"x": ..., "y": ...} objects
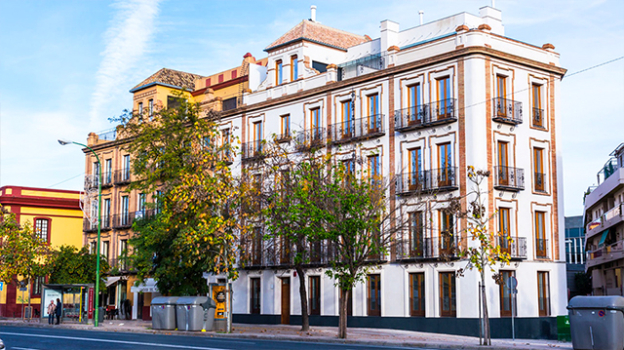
[
  {"x": 110, "y": 341},
  {"x": 16, "y": 348}
]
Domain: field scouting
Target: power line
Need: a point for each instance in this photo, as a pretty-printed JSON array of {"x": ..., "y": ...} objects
[{"x": 71, "y": 178}]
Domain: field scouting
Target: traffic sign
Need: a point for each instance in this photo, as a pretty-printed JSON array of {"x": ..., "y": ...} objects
[
  {"x": 512, "y": 283},
  {"x": 1, "y": 286}
]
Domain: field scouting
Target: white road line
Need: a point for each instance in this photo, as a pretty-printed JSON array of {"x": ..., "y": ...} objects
[
  {"x": 109, "y": 341},
  {"x": 16, "y": 348}
]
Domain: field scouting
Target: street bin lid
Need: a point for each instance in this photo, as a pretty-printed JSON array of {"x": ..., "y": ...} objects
[
  {"x": 597, "y": 302},
  {"x": 164, "y": 300},
  {"x": 191, "y": 300}
]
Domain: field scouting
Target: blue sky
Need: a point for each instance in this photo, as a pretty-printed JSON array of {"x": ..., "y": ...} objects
[{"x": 67, "y": 66}]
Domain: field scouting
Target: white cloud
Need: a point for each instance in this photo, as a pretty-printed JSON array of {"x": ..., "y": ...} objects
[{"x": 127, "y": 40}]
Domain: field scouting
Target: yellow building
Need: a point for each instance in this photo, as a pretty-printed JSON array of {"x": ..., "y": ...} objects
[{"x": 57, "y": 217}]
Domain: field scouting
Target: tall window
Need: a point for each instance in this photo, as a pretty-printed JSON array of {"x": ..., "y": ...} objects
[
  {"x": 123, "y": 254},
  {"x": 444, "y": 105},
  {"x": 538, "y": 167},
  {"x": 501, "y": 95},
  {"x": 374, "y": 168},
  {"x": 315, "y": 295},
  {"x": 255, "y": 295},
  {"x": 37, "y": 285},
  {"x": 105, "y": 249},
  {"x": 158, "y": 202},
  {"x": 278, "y": 72},
  {"x": 96, "y": 173},
  {"x": 415, "y": 169},
  {"x": 347, "y": 119},
  {"x": 414, "y": 104},
  {"x": 108, "y": 171},
  {"x": 416, "y": 230},
  {"x": 503, "y": 164},
  {"x": 445, "y": 163},
  {"x": 504, "y": 230},
  {"x": 285, "y": 126},
  {"x": 543, "y": 293},
  {"x": 141, "y": 203},
  {"x": 125, "y": 220},
  {"x": 315, "y": 122},
  {"x": 447, "y": 294},
  {"x": 257, "y": 130},
  {"x": 417, "y": 294},
  {"x": 256, "y": 248},
  {"x": 447, "y": 232},
  {"x": 374, "y": 119},
  {"x": 140, "y": 108},
  {"x": 106, "y": 213},
  {"x": 126, "y": 167},
  {"x": 42, "y": 228},
  {"x": 541, "y": 243},
  {"x": 506, "y": 295},
  {"x": 538, "y": 112},
  {"x": 150, "y": 105},
  {"x": 374, "y": 295},
  {"x": 92, "y": 247},
  {"x": 294, "y": 74}
]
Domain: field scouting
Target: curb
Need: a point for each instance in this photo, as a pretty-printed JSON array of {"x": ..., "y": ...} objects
[{"x": 283, "y": 337}]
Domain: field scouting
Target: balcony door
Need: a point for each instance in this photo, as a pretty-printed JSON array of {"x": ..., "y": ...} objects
[
  {"x": 503, "y": 230},
  {"x": 347, "y": 125},
  {"x": 374, "y": 295},
  {"x": 374, "y": 119},
  {"x": 315, "y": 123},
  {"x": 417, "y": 294},
  {"x": 415, "y": 169},
  {"x": 506, "y": 295},
  {"x": 125, "y": 219},
  {"x": 541, "y": 243},
  {"x": 444, "y": 104},
  {"x": 447, "y": 233},
  {"x": 501, "y": 96},
  {"x": 285, "y": 316},
  {"x": 257, "y": 130},
  {"x": 538, "y": 167},
  {"x": 536, "y": 97},
  {"x": 503, "y": 164},
  {"x": 445, "y": 162},
  {"x": 414, "y": 103},
  {"x": 447, "y": 294},
  {"x": 416, "y": 238}
]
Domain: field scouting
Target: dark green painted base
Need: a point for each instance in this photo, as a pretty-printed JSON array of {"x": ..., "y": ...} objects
[{"x": 526, "y": 328}]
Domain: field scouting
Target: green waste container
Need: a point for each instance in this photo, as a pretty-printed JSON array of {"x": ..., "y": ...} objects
[{"x": 563, "y": 328}]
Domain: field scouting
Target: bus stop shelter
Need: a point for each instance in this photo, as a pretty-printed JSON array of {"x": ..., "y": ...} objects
[{"x": 77, "y": 299}]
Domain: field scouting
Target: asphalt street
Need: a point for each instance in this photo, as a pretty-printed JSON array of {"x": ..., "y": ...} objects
[{"x": 29, "y": 338}]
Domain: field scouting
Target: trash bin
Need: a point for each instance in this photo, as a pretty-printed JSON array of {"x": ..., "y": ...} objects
[
  {"x": 101, "y": 313},
  {"x": 164, "y": 313},
  {"x": 596, "y": 322},
  {"x": 190, "y": 313},
  {"x": 209, "y": 311}
]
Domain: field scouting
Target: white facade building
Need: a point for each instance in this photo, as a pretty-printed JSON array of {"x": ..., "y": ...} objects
[{"x": 428, "y": 102}]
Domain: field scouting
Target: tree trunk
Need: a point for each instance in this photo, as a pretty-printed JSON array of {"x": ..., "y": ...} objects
[
  {"x": 342, "y": 318},
  {"x": 305, "y": 320},
  {"x": 486, "y": 319}
]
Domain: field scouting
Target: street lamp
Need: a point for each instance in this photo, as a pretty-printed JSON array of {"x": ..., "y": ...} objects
[{"x": 99, "y": 227}]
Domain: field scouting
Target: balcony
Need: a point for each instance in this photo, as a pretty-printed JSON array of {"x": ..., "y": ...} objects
[
  {"x": 508, "y": 178},
  {"x": 272, "y": 255},
  {"x": 107, "y": 179},
  {"x": 226, "y": 157},
  {"x": 516, "y": 247},
  {"x": 537, "y": 120},
  {"x": 310, "y": 139},
  {"x": 541, "y": 248},
  {"x": 444, "y": 179},
  {"x": 122, "y": 177},
  {"x": 507, "y": 111},
  {"x": 433, "y": 248},
  {"x": 88, "y": 226},
  {"x": 605, "y": 254},
  {"x": 612, "y": 217},
  {"x": 411, "y": 183},
  {"x": 282, "y": 138},
  {"x": 122, "y": 263},
  {"x": 426, "y": 115},
  {"x": 540, "y": 182},
  {"x": 357, "y": 129},
  {"x": 252, "y": 150},
  {"x": 123, "y": 221}
]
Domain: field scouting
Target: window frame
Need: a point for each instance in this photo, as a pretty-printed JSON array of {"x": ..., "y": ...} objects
[
  {"x": 417, "y": 279},
  {"x": 373, "y": 286},
  {"x": 506, "y": 296},
  {"x": 536, "y": 103},
  {"x": 279, "y": 72},
  {"x": 538, "y": 169},
  {"x": 48, "y": 227},
  {"x": 255, "y": 295},
  {"x": 315, "y": 295},
  {"x": 539, "y": 218},
  {"x": 294, "y": 70},
  {"x": 543, "y": 293},
  {"x": 452, "y": 290}
]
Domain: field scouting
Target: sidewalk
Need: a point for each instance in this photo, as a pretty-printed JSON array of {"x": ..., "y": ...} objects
[{"x": 383, "y": 337}]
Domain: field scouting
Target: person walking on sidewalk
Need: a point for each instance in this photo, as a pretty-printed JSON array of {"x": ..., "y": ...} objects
[
  {"x": 51, "y": 312},
  {"x": 59, "y": 310}
]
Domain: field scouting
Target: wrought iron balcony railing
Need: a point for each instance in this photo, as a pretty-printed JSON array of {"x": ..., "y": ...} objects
[
  {"x": 443, "y": 179},
  {"x": 357, "y": 129},
  {"x": 107, "y": 179},
  {"x": 311, "y": 138},
  {"x": 540, "y": 182},
  {"x": 424, "y": 115},
  {"x": 122, "y": 177},
  {"x": 538, "y": 118},
  {"x": 541, "y": 248},
  {"x": 414, "y": 182},
  {"x": 507, "y": 111},
  {"x": 88, "y": 226},
  {"x": 434, "y": 248},
  {"x": 124, "y": 264},
  {"x": 253, "y": 150},
  {"x": 123, "y": 220},
  {"x": 508, "y": 178},
  {"x": 285, "y": 137},
  {"x": 516, "y": 247}
]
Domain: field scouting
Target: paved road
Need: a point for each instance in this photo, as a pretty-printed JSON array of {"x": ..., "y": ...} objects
[{"x": 28, "y": 338}]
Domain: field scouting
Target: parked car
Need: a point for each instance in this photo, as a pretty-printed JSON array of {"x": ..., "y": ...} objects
[{"x": 1, "y": 344}]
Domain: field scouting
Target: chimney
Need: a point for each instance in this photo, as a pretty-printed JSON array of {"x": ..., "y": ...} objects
[
  {"x": 493, "y": 4},
  {"x": 313, "y": 13},
  {"x": 421, "y": 13},
  {"x": 389, "y": 34}
]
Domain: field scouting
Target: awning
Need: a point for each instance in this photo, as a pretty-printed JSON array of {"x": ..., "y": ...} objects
[
  {"x": 112, "y": 280},
  {"x": 605, "y": 233},
  {"x": 148, "y": 287}
]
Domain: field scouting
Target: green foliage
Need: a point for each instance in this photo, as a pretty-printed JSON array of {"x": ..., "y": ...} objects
[
  {"x": 22, "y": 251},
  {"x": 179, "y": 153},
  {"x": 69, "y": 265}
]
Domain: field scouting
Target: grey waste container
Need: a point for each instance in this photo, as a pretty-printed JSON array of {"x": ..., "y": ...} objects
[
  {"x": 209, "y": 310},
  {"x": 101, "y": 313},
  {"x": 597, "y": 322},
  {"x": 190, "y": 313},
  {"x": 163, "y": 313}
]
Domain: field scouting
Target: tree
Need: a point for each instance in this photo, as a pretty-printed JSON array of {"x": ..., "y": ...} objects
[
  {"x": 291, "y": 209},
  {"x": 360, "y": 225},
  {"x": 181, "y": 156},
  {"x": 487, "y": 251},
  {"x": 23, "y": 252},
  {"x": 71, "y": 265}
]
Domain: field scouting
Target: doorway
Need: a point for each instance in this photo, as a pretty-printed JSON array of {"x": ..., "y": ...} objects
[{"x": 285, "y": 300}]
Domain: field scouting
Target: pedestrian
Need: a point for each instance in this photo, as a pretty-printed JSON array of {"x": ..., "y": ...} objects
[
  {"x": 59, "y": 310},
  {"x": 51, "y": 312}
]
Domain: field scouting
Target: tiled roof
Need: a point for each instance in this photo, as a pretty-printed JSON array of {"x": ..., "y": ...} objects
[
  {"x": 172, "y": 77},
  {"x": 317, "y": 32}
]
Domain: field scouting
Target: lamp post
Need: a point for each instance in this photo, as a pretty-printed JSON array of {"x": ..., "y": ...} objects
[{"x": 99, "y": 227}]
